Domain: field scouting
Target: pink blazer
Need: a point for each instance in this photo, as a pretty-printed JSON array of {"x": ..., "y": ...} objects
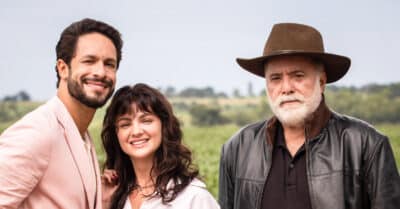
[{"x": 44, "y": 163}]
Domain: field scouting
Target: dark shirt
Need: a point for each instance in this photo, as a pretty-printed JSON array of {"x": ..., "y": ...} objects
[{"x": 286, "y": 186}]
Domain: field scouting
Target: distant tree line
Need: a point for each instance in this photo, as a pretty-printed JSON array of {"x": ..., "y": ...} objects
[
  {"x": 20, "y": 96},
  {"x": 206, "y": 92},
  {"x": 206, "y": 115},
  {"x": 373, "y": 103},
  {"x": 393, "y": 89},
  {"x": 13, "y": 107}
]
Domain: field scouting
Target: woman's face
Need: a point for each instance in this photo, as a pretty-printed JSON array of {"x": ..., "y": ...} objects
[{"x": 139, "y": 134}]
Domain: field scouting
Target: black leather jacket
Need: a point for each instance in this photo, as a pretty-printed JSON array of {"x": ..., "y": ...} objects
[{"x": 349, "y": 164}]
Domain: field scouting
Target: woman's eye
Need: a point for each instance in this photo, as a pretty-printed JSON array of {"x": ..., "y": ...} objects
[
  {"x": 147, "y": 120},
  {"x": 123, "y": 125}
]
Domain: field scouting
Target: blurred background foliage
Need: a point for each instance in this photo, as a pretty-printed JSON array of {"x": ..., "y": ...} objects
[{"x": 209, "y": 118}]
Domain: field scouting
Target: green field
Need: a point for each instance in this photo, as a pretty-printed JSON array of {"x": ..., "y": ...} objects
[{"x": 206, "y": 142}]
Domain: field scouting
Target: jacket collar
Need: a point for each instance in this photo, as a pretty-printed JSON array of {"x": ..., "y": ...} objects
[
  {"x": 313, "y": 125},
  {"x": 76, "y": 146}
]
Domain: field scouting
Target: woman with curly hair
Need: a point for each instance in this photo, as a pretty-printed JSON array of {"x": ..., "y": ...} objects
[{"x": 147, "y": 166}]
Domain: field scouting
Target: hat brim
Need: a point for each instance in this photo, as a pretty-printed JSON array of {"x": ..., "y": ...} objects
[{"x": 336, "y": 66}]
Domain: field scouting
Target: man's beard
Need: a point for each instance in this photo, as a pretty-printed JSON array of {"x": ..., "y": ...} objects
[
  {"x": 76, "y": 90},
  {"x": 295, "y": 117}
]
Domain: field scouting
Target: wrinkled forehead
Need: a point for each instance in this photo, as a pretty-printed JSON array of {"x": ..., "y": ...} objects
[{"x": 290, "y": 63}]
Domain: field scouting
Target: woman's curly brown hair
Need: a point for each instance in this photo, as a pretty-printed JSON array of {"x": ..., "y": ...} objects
[{"x": 173, "y": 161}]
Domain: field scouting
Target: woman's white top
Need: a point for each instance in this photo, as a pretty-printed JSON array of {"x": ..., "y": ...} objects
[{"x": 194, "y": 196}]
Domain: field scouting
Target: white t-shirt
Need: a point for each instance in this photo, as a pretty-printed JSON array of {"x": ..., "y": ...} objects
[{"x": 194, "y": 196}]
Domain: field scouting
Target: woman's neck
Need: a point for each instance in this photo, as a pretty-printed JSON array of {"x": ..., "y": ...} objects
[{"x": 143, "y": 172}]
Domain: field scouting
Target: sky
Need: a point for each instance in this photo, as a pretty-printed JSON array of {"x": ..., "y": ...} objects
[{"x": 187, "y": 43}]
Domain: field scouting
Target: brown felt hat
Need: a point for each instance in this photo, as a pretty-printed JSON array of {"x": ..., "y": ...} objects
[{"x": 297, "y": 39}]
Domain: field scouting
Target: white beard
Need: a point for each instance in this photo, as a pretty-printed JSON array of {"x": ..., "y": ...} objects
[{"x": 295, "y": 116}]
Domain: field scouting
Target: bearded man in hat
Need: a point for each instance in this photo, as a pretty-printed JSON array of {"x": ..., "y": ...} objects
[{"x": 306, "y": 156}]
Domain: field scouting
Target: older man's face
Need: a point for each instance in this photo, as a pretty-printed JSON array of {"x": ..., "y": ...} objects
[{"x": 294, "y": 88}]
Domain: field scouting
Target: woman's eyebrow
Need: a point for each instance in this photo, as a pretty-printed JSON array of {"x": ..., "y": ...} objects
[{"x": 122, "y": 118}]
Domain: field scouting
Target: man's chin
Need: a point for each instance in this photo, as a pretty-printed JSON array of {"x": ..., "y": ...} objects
[
  {"x": 93, "y": 101},
  {"x": 289, "y": 110},
  {"x": 291, "y": 117}
]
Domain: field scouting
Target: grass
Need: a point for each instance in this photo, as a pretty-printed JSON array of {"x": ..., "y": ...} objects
[
  {"x": 206, "y": 142},
  {"x": 393, "y": 132}
]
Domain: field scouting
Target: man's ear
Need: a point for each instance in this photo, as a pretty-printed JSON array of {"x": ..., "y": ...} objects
[
  {"x": 322, "y": 81},
  {"x": 63, "y": 69}
]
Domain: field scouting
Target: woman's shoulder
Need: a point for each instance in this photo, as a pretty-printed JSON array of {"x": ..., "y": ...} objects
[
  {"x": 195, "y": 187},
  {"x": 196, "y": 195},
  {"x": 197, "y": 183}
]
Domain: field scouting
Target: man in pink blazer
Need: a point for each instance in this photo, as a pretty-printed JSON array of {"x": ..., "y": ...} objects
[{"x": 47, "y": 159}]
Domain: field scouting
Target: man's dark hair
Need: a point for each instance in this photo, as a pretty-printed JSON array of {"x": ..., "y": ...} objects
[{"x": 66, "y": 45}]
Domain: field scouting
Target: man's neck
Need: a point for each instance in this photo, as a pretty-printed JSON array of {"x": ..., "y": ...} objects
[
  {"x": 294, "y": 138},
  {"x": 293, "y": 133},
  {"x": 80, "y": 113}
]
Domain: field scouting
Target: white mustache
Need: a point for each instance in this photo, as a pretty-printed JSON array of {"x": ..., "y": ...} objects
[{"x": 285, "y": 98}]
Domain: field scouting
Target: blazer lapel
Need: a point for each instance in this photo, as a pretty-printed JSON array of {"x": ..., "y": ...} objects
[{"x": 77, "y": 148}]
